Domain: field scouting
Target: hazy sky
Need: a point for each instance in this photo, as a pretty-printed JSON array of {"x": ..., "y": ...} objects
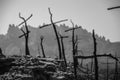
[{"x": 91, "y": 14}]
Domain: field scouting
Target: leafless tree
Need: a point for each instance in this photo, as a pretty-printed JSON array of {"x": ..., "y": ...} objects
[
  {"x": 62, "y": 47},
  {"x": 74, "y": 48},
  {"x": 25, "y": 33},
  {"x": 42, "y": 48},
  {"x": 55, "y": 30}
]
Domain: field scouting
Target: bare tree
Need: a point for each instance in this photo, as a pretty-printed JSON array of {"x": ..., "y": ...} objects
[
  {"x": 42, "y": 48},
  {"x": 95, "y": 56},
  {"x": 63, "y": 49},
  {"x": 25, "y": 33},
  {"x": 55, "y": 30},
  {"x": 73, "y": 47}
]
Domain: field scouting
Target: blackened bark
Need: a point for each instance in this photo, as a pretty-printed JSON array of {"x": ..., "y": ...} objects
[
  {"x": 26, "y": 35},
  {"x": 113, "y": 8},
  {"x": 53, "y": 22},
  {"x": 95, "y": 56},
  {"x": 74, "y": 59},
  {"x": 42, "y": 48},
  {"x": 92, "y": 56},
  {"x": 63, "y": 51},
  {"x": 55, "y": 30},
  {"x": 73, "y": 47}
]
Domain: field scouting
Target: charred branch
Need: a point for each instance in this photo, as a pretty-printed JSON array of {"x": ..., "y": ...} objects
[
  {"x": 75, "y": 62},
  {"x": 101, "y": 55},
  {"x": 95, "y": 56},
  {"x": 72, "y": 29},
  {"x": 25, "y": 20},
  {"x": 63, "y": 49},
  {"x": 42, "y": 48},
  {"x": 55, "y": 30},
  {"x": 113, "y": 8},
  {"x": 54, "y": 23},
  {"x": 25, "y": 34}
]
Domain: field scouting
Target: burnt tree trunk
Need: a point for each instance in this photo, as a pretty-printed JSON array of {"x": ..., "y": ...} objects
[
  {"x": 55, "y": 30},
  {"x": 95, "y": 56},
  {"x": 26, "y": 45},
  {"x": 42, "y": 48},
  {"x": 74, "y": 59},
  {"x": 26, "y": 34},
  {"x": 63, "y": 51},
  {"x": 73, "y": 49},
  {"x": 76, "y": 49},
  {"x": 113, "y": 8}
]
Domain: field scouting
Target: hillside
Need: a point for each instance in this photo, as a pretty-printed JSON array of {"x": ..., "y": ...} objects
[{"x": 11, "y": 44}]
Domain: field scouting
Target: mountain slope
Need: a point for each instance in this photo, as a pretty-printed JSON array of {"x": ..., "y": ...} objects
[{"x": 11, "y": 44}]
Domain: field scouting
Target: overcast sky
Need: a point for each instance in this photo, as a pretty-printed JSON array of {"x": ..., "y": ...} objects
[{"x": 91, "y": 14}]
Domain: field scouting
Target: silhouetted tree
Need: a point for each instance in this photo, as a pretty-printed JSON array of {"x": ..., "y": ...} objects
[
  {"x": 55, "y": 30},
  {"x": 62, "y": 47},
  {"x": 95, "y": 56},
  {"x": 73, "y": 48},
  {"x": 42, "y": 48},
  {"x": 25, "y": 33},
  {"x": 1, "y": 53}
]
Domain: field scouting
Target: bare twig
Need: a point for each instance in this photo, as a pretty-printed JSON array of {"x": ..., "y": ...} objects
[
  {"x": 101, "y": 55},
  {"x": 25, "y": 20},
  {"x": 113, "y": 8},
  {"x": 54, "y": 23}
]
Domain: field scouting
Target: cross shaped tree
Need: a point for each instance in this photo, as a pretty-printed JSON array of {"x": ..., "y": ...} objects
[
  {"x": 25, "y": 33},
  {"x": 55, "y": 31}
]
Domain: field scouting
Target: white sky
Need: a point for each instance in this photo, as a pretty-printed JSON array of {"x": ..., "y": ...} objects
[{"x": 91, "y": 14}]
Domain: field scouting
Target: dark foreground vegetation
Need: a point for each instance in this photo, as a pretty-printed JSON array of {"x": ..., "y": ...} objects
[
  {"x": 33, "y": 68},
  {"x": 38, "y": 68}
]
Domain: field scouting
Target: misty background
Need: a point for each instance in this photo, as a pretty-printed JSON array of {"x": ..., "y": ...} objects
[{"x": 91, "y": 14}]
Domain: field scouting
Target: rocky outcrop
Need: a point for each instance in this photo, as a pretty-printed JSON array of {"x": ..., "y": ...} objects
[{"x": 31, "y": 68}]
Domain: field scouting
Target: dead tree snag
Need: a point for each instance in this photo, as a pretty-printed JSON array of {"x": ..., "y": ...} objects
[
  {"x": 63, "y": 49},
  {"x": 42, "y": 48},
  {"x": 73, "y": 47},
  {"x": 25, "y": 34}
]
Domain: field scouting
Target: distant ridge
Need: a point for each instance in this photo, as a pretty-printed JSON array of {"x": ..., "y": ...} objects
[{"x": 11, "y": 44}]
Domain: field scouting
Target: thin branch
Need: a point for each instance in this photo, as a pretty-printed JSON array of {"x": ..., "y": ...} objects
[
  {"x": 54, "y": 23},
  {"x": 25, "y": 20},
  {"x": 102, "y": 55},
  {"x": 113, "y": 8},
  {"x": 23, "y": 34},
  {"x": 72, "y": 29}
]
